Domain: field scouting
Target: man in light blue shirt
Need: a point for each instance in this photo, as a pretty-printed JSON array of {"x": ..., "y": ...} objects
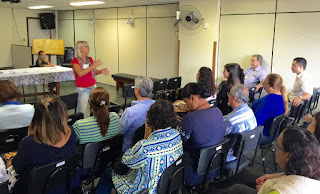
[
  {"x": 242, "y": 118},
  {"x": 135, "y": 116},
  {"x": 255, "y": 75}
]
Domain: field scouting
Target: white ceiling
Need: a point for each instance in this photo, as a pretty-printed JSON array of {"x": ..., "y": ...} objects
[{"x": 65, "y": 4}]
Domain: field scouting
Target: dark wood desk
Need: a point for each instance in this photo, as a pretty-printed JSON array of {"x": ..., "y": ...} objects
[{"x": 123, "y": 78}]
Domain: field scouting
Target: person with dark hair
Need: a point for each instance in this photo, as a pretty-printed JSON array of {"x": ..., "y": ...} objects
[
  {"x": 302, "y": 88},
  {"x": 298, "y": 155},
  {"x": 270, "y": 106},
  {"x": 202, "y": 127},
  {"x": 135, "y": 115},
  {"x": 102, "y": 125},
  {"x": 235, "y": 75},
  {"x": 314, "y": 126},
  {"x": 147, "y": 159},
  {"x": 49, "y": 140},
  {"x": 13, "y": 115},
  {"x": 205, "y": 74},
  {"x": 255, "y": 75},
  {"x": 42, "y": 61}
]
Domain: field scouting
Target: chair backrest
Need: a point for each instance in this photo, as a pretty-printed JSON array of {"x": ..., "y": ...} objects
[
  {"x": 275, "y": 125},
  {"x": 54, "y": 175},
  {"x": 4, "y": 188},
  {"x": 74, "y": 117},
  {"x": 98, "y": 155},
  {"x": 10, "y": 139},
  {"x": 159, "y": 85},
  {"x": 213, "y": 158},
  {"x": 172, "y": 177},
  {"x": 252, "y": 93},
  {"x": 71, "y": 101},
  {"x": 128, "y": 91},
  {"x": 297, "y": 111},
  {"x": 314, "y": 99},
  {"x": 248, "y": 141},
  {"x": 139, "y": 134},
  {"x": 68, "y": 54},
  {"x": 174, "y": 83}
]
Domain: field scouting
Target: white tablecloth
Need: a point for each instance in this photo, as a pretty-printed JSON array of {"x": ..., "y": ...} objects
[{"x": 37, "y": 75}]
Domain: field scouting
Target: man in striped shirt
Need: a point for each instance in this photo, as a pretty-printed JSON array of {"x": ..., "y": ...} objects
[{"x": 242, "y": 117}]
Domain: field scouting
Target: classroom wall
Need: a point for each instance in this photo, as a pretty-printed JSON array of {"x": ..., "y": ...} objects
[
  {"x": 149, "y": 47},
  {"x": 196, "y": 46},
  {"x": 13, "y": 31},
  {"x": 279, "y": 30}
]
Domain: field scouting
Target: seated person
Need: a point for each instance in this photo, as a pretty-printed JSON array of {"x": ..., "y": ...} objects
[
  {"x": 42, "y": 61},
  {"x": 49, "y": 140},
  {"x": 270, "y": 106},
  {"x": 135, "y": 116},
  {"x": 13, "y": 114},
  {"x": 255, "y": 75},
  {"x": 161, "y": 147},
  {"x": 235, "y": 75},
  {"x": 242, "y": 118},
  {"x": 205, "y": 74},
  {"x": 302, "y": 88},
  {"x": 102, "y": 125},
  {"x": 201, "y": 128},
  {"x": 298, "y": 155}
]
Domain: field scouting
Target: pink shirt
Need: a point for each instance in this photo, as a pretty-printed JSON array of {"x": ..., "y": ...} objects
[{"x": 85, "y": 81}]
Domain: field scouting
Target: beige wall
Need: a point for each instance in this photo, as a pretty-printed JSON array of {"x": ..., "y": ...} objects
[
  {"x": 196, "y": 46},
  {"x": 249, "y": 32},
  {"x": 13, "y": 31},
  {"x": 148, "y": 47}
]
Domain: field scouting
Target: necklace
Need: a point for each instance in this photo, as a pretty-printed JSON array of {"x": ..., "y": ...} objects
[{"x": 201, "y": 105}]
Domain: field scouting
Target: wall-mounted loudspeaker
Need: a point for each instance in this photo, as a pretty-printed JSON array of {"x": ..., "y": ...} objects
[{"x": 47, "y": 20}]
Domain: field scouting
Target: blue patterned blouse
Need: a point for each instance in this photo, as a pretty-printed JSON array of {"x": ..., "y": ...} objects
[{"x": 147, "y": 160}]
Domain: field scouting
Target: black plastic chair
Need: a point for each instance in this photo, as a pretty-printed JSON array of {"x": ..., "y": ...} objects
[
  {"x": 275, "y": 128},
  {"x": 253, "y": 92},
  {"x": 245, "y": 143},
  {"x": 172, "y": 178},
  {"x": 71, "y": 101},
  {"x": 128, "y": 91},
  {"x": 296, "y": 112},
  {"x": 4, "y": 188},
  {"x": 212, "y": 160},
  {"x": 159, "y": 87},
  {"x": 98, "y": 156},
  {"x": 74, "y": 117},
  {"x": 139, "y": 134},
  {"x": 314, "y": 100},
  {"x": 10, "y": 139},
  {"x": 173, "y": 85},
  {"x": 51, "y": 176}
]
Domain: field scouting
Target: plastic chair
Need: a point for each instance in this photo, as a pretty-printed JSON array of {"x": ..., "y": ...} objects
[
  {"x": 172, "y": 177},
  {"x": 248, "y": 142},
  {"x": 275, "y": 128},
  {"x": 10, "y": 139},
  {"x": 314, "y": 100},
  {"x": 4, "y": 188},
  {"x": 71, "y": 101},
  {"x": 173, "y": 85},
  {"x": 253, "y": 92},
  {"x": 74, "y": 117},
  {"x": 159, "y": 87},
  {"x": 296, "y": 112},
  {"x": 48, "y": 177}
]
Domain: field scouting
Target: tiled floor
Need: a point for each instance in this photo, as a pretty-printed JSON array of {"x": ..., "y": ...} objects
[{"x": 69, "y": 87}]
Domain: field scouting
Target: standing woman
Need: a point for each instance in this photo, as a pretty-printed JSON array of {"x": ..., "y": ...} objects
[
  {"x": 84, "y": 69},
  {"x": 234, "y": 75},
  {"x": 205, "y": 74}
]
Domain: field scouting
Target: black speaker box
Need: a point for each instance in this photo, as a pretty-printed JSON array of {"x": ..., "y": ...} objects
[{"x": 47, "y": 20}]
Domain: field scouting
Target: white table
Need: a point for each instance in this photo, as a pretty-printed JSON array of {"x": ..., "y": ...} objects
[{"x": 38, "y": 75}]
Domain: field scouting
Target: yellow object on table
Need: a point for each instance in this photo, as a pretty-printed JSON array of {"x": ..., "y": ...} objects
[{"x": 49, "y": 46}]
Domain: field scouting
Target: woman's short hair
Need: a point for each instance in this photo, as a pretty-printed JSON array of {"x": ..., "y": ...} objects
[
  {"x": 49, "y": 121},
  {"x": 161, "y": 115},
  {"x": 79, "y": 44},
  {"x": 304, "y": 153},
  {"x": 200, "y": 89},
  {"x": 99, "y": 102},
  {"x": 8, "y": 90},
  {"x": 144, "y": 85},
  {"x": 205, "y": 74}
]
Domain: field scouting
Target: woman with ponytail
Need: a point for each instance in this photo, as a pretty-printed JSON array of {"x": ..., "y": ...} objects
[
  {"x": 272, "y": 105},
  {"x": 102, "y": 125},
  {"x": 234, "y": 75}
]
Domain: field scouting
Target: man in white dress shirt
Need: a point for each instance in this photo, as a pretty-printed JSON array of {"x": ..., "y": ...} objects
[{"x": 302, "y": 88}]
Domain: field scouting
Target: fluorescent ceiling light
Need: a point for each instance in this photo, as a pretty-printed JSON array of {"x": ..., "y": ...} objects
[
  {"x": 41, "y": 7},
  {"x": 82, "y": 3}
]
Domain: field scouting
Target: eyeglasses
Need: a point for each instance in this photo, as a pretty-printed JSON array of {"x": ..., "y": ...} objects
[
  {"x": 86, "y": 46},
  {"x": 275, "y": 144}
]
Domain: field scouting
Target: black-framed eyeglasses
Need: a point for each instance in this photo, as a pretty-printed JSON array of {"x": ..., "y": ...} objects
[{"x": 275, "y": 144}]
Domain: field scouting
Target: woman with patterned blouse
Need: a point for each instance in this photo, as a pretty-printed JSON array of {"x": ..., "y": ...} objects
[{"x": 147, "y": 159}]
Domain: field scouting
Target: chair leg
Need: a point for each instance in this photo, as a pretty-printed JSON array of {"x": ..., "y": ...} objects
[
  {"x": 263, "y": 160},
  {"x": 274, "y": 160}
]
